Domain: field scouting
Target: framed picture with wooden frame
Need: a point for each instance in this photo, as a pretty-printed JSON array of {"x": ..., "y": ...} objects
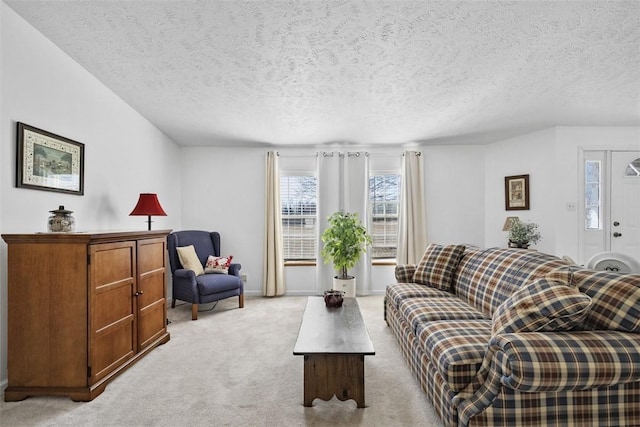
[
  {"x": 50, "y": 162},
  {"x": 516, "y": 193}
]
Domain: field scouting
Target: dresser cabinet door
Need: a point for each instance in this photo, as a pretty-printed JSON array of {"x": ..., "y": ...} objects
[
  {"x": 151, "y": 294},
  {"x": 112, "y": 268}
]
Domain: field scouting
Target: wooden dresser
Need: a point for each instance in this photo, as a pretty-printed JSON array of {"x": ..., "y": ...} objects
[{"x": 82, "y": 308}]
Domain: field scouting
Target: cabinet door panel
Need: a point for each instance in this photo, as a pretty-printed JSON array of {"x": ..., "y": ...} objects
[
  {"x": 151, "y": 300},
  {"x": 113, "y": 330}
]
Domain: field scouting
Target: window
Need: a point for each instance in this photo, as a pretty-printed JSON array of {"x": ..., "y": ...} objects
[
  {"x": 298, "y": 194},
  {"x": 633, "y": 169},
  {"x": 384, "y": 194},
  {"x": 592, "y": 192}
]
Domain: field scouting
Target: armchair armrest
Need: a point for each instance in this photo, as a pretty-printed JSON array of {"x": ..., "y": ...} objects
[
  {"x": 185, "y": 286},
  {"x": 404, "y": 273},
  {"x": 557, "y": 361},
  {"x": 234, "y": 269}
]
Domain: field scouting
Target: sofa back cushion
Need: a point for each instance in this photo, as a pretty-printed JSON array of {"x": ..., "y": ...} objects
[
  {"x": 486, "y": 278},
  {"x": 615, "y": 298},
  {"x": 437, "y": 266},
  {"x": 541, "y": 306}
]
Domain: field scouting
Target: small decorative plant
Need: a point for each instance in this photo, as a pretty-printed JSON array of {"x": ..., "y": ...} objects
[
  {"x": 345, "y": 241},
  {"x": 522, "y": 233}
]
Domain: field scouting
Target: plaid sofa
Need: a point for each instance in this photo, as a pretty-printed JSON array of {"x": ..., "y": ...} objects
[{"x": 512, "y": 337}]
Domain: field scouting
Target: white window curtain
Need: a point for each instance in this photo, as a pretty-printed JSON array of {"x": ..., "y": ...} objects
[
  {"x": 356, "y": 200},
  {"x": 274, "y": 283},
  {"x": 412, "y": 227},
  {"x": 329, "y": 201},
  {"x": 343, "y": 183}
]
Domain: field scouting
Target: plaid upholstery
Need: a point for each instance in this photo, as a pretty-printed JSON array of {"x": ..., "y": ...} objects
[
  {"x": 400, "y": 291},
  {"x": 404, "y": 272},
  {"x": 575, "y": 377},
  {"x": 541, "y": 306},
  {"x": 501, "y": 271},
  {"x": 579, "y": 378},
  {"x": 615, "y": 299},
  {"x": 457, "y": 347},
  {"x": 422, "y": 310},
  {"x": 437, "y": 265}
]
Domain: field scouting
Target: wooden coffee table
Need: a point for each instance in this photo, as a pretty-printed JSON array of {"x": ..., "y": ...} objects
[{"x": 333, "y": 342}]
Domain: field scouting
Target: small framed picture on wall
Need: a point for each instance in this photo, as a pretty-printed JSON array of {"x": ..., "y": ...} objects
[
  {"x": 46, "y": 161},
  {"x": 516, "y": 193}
]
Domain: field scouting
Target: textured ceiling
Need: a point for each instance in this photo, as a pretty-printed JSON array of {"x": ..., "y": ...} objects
[{"x": 356, "y": 72}]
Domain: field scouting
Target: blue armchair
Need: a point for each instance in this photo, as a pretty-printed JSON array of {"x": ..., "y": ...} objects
[{"x": 206, "y": 287}]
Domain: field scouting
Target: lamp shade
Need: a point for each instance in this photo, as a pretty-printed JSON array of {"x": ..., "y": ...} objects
[{"x": 148, "y": 205}]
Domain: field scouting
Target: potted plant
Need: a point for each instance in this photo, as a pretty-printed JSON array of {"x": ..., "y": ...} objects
[
  {"x": 344, "y": 241},
  {"x": 522, "y": 234}
]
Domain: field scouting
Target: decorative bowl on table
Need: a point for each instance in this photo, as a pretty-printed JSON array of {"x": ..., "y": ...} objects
[{"x": 333, "y": 298}]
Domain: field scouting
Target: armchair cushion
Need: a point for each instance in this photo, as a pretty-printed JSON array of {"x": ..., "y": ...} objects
[
  {"x": 189, "y": 259},
  {"x": 216, "y": 264},
  {"x": 215, "y": 283}
]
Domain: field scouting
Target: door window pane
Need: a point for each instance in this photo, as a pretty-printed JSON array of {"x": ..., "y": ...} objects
[
  {"x": 633, "y": 168},
  {"x": 592, "y": 193}
]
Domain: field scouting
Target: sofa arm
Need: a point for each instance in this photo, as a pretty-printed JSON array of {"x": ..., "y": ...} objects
[
  {"x": 557, "y": 361},
  {"x": 404, "y": 273}
]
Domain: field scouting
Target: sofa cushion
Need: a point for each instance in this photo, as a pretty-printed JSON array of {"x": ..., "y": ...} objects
[
  {"x": 541, "y": 306},
  {"x": 456, "y": 348},
  {"x": 437, "y": 265},
  {"x": 615, "y": 299},
  {"x": 422, "y": 310},
  {"x": 400, "y": 291},
  {"x": 485, "y": 279},
  {"x": 189, "y": 259}
]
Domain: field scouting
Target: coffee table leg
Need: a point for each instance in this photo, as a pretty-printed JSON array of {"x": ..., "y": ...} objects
[{"x": 326, "y": 375}]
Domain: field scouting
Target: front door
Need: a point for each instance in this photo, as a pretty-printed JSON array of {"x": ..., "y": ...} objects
[{"x": 624, "y": 227}]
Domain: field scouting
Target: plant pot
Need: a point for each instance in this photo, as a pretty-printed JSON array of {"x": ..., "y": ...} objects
[
  {"x": 348, "y": 286},
  {"x": 518, "y": 245}
]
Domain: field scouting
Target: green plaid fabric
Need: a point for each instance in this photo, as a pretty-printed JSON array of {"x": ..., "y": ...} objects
[{"x": 437, "y": 265}]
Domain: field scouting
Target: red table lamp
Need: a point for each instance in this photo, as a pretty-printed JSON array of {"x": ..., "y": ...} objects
[{"x": 148, "y": 205}]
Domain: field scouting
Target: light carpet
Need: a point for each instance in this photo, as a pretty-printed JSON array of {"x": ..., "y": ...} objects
[{"x": 235, "y": 367}]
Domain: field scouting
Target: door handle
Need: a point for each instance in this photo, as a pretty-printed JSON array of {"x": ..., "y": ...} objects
[
  {"x": 616, "y": 223},
  {"x": 616, "y": 234}
]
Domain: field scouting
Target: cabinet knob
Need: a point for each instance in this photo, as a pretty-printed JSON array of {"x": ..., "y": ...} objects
[
  {"x": 616, "y": 234},
  {"x": 138, "y": 293}
]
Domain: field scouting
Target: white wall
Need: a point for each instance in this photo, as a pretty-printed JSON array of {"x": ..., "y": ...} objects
[
  {"x": 124, "y": 154},
  {"x": 532, "y": 154},
  {"x": 551, "y": 158},
  {"x": 454, "y": 185}
]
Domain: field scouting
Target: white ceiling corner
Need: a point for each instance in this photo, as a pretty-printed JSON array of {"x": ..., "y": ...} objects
[{"x": 290, "y": 73}]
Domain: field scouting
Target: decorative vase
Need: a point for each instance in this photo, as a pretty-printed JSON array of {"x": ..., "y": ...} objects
[
  {"x": 333, "y": 298},
  {"x": 61, "y": 220}
]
